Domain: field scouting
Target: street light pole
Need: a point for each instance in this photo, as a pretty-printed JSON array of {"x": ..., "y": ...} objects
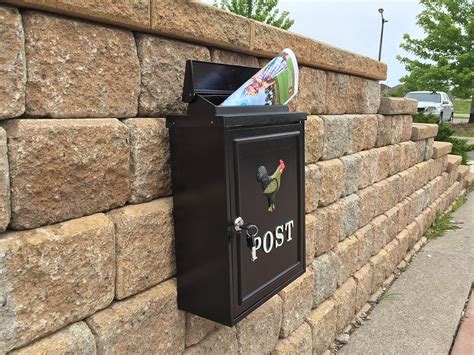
[{"x": 381, "y": 33}]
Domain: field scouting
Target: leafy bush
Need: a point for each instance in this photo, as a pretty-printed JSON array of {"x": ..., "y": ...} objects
[{"x": 445, "y": 134}]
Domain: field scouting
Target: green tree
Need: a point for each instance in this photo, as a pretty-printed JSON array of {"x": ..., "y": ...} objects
[
  {"x": 261, "y": 10},
  {"x": 444, "y": 59}
]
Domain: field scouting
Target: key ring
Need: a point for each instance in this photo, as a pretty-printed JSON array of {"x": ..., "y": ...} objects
[{"x": 249, "y": 228}]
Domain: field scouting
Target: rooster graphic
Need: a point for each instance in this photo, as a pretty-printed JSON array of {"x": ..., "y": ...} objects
[{"x": 270, "y": 184}]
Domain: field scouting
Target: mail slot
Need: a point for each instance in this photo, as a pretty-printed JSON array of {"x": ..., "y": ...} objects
[{"x": 238, "y": 192}]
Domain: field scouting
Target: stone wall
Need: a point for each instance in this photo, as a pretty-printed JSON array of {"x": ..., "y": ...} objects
[{"x": 87, "y": 249}]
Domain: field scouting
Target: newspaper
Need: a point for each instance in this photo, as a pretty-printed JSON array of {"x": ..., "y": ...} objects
[{"x": 275, "y": 84}]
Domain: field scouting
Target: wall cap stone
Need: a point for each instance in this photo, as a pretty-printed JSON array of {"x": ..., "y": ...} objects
[
  {"x": 397, "y": 106},
  {"x": 441, "y": 148},
  {"x": 420, "y": 131}
]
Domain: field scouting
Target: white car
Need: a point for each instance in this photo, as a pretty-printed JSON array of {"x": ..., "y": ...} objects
[{"x": 437, "y": 103}]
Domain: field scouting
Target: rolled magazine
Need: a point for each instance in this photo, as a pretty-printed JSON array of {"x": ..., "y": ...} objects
[{"x": 275, "y": 84}]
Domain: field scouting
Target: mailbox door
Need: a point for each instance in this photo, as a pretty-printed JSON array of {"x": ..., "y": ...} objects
[{"x": 267, "y": 190}]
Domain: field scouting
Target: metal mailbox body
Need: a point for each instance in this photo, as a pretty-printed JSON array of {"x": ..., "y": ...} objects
[{"x": 215, "y": 156}]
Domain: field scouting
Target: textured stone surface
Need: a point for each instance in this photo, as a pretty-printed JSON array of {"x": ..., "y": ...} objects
[
  {"x": 297, "y": 302},
  {"x": 328, "y": 228},
  {"x": 222, "y": 341},
  {"x": 429, "y": 148},
  {"x": 312, "y": 91},
  {"x": 131, "y": 14},
  {"x": 407, "y": 122},
  {"x": 367, "y": 199},
  {"x": 392, "y": 255},
  {"x": 357, "y": 92},
  {"x": 350, "y": 214},
  {"x": 453, "y": 162},
  {"x": 310, "y": 231},
  {"x": 346, "y": 254},
  {"x": 365, "y": 241},
  {"x": 72, "y": 168},
  {"x": 12, "y": 63},
  {"x": 162, "y": 65},
  {"x": 423, "y": 131},
  {"x": 337, "y": 136},
  {"x": 150, "y": 171},
  {"x": 144, "y": 242},
  {"x": 363, "y": 279},
  {"x": 149, "y": 322},
  {"x": 314, "y": 139},
  {"x": 322, "y": 321},
  {"x": 198, "y": 328},
  {"x": 234, "y": 58},
  {"x": 204, "y": 23},
  {"x": 380, "y": 268},
  {"x": 5, "y": 211},
  {"x": 312, "y": 187},
  {"x": 363, "y": 132},
  {"x": 384, "y": 161},
  {"x": 441, "y": 148},
  {"x": 331, "y": 181},
  {"x": 298, "y": 342},
  {"x": 368, "y": 168},
  {"x": 393, "y": 220},
  {"x": 344, "y": 301},
  {"x": 380, "y": 225},
  {"x": 326, "y": 272},
  {"x": 397, "y": 106},
  {"x": 266, "y": 320},
  {"x": 76, "y": 338},
  {"x": 337, "y": 85},
  {"x": 53, "y": 276},
  {"x": 95, "y": 74},
  {"x": 373, "y": 97},
  {"x": 351, "y": 165}
]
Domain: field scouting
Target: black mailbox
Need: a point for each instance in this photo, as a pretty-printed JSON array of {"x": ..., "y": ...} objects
[{"x": 238, "y": 191}]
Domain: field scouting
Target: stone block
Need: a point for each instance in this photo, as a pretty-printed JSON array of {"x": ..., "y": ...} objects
[
  {"x": 347, "y": 256},
  {"x": 196, "y": 21},
  {"x": 351, "y": 165},
  {"x": 337, "y": 85},
  {"x": 297, "y": 302},
  {"x": 403, "y": 213},
  {"x": 329, "y": 228},
  {"x": 463, "y": 170},
  {"x": 326, "y": 272},
  {"x": 415, "y": 232},
  {"x": 267, "y": 319},
  {"x": 5, "y": 211},
  {"x": 384, "y": 131},
  {"x": 314, "y": 139},
  {"x": 422, "y": 131},
  {"x": 404, "y": 155},
  {"x": 72, "y": 168},
  {"x": 53, "y": 276},
  {"x": 310, "y": 230},
  {"x": 322, "y": 321},
  {"x": 396, "y": 129},
  {"x": 397, "y": 106},
  {"x": 12, "y": 63},
  {"x": 76, "y": 338},
  {"x": 393, "y": 220},
  {"x": 453, "y": 162},
  {"x": 384, "y": 159},
  {"x": 368, "y": 168},
  {"x": 350, "y": 214},
  {"x": 386, "y": 196},
  {"x": 312, "y": 91},
  {"x": 395, "y": 190},
  {"x": 344, "y": 301},
  {"x": 392, "y": 254},
  {"x": 373, "y": 97},
  {"x": 330, "y": 181},
  {"x": 365, "y": 241},
  {"x": 312, "y": 187},
  {"x": 420, "y": 151},
  {"x": 144, "y": 243},
  {"x": 363, "y": 132},
  {"x": 407, "y": 124},
  {"x": 149, "y": 322},
  {"x": 441, "y": 148},
  {"x": 429, "y": 148},
  {"x": 357, "y": 91},
  {"x": 150, "y": 171},
  {"x": 234, "y": 58},
  {"x": 367, "y": 199},
  {"x": 380, "y": 269},
  {"x": 412, "y": 152},
  {"x": 337, "y": 136},
  {"x": 95, "y": 74},
  {"x": 403, "y": 239},
  {"x": 222, "y": 341},
  {"x": 380, "y": 225},
  {"x": 397, "y": 159},
  {"x": 198, "y": 328},
  {"x": 363, "y": 279},
  {"x": 129, "y": 14},
  {"x": 162, "y": 65},
  {"x": 298, "y": 342}
]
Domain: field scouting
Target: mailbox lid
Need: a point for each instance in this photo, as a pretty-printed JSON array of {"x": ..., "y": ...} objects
[{"x": 281, "y": 254}]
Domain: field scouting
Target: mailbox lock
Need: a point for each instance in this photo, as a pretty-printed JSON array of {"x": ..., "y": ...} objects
[{"x": 250, "y": 229}]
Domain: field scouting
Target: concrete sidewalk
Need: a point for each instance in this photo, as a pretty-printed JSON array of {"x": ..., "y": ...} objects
[{"x": 423, "y": 308}]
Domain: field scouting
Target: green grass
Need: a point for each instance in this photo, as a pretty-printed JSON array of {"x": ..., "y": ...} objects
[
  {"x": 387, "y": 295},
  {"x": 441, "y": 225},
  {"x": 459, "y": 202},
  {"x": 462, "y": 106}
]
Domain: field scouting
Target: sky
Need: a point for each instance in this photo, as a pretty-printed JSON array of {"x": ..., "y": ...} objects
[{"x": 355, "y": 25}]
